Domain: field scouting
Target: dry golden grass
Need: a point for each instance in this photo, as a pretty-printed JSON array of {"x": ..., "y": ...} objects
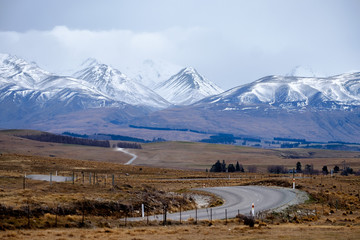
[
  {"x": 181, "y": 155},
  {"x": 332, "y": 212},
  {"x": 12, "y": 144},
  {"x": 188, "y": 155},
  {"x": 195, "y": 232}
]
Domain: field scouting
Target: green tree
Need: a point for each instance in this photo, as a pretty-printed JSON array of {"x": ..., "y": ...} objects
[
  {"x": 336, "y": 169},
  {"x": 223, "y": 166},
  {"x": 239, "y": 167},
  {"x": 309, "y": 169},
  {"x": 325, "y": 170},
  {"x": 298, "y": 167},
  {"x": 231, "y": 168},
  {"x": 217, "y": 167}
]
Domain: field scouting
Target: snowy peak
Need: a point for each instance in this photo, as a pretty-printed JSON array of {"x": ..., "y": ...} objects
[
  {"x": 97, "y": 85},
  {"x": 116, "y": 85},
  {"x": 89, "y": 63},
  {"x": 101, "y": 75},
  {"x": 19, "y": 71},
  {"x": 187, "y": 87},
  {"x": 289, "y": 92}
]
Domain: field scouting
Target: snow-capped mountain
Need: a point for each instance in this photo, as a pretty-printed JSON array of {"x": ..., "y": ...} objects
[
  {"x": 18, "y": 71},
  {"x": 186, "y": 87},
  {"x": 289, "y": 92},
  {"x": 319, "y": 109},
  {"x": 117, "y": 86},
  {"x": 151, "y": 72},
  {"x": 29, "y": 94}
]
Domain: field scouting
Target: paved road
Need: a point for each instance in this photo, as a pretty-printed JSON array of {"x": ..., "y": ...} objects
[
  {"x": 126, "y": 152},
  {"x": 238, "y": 198}
]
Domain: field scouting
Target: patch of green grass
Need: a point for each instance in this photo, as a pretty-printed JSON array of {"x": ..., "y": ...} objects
[{"x": 311, "y": 199}]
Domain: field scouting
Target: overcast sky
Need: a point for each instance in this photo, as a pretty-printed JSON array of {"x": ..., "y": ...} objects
[{"x": 229, "y": 42}]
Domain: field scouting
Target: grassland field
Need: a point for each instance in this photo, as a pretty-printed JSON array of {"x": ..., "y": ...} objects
[{"x": 77, "y": 210}]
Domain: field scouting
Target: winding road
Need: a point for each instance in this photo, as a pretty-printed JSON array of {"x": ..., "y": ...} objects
[
  {"x": 240, "y": 199},
  {"x": 237, "y": 199},
  {"x": 126, "y": 152}
]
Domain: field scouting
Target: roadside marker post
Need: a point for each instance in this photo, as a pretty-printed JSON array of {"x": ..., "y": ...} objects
[
  {"x": 225, "y": 216},
  {"x": 293, "y": 183},
  {"x": 142, "y": 211},
  {"x": 253, "y": 210},
  {"x": 196, "y": 214}
]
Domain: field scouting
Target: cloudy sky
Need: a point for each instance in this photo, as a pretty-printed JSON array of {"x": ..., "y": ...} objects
[{"x": 230, "y": 42}]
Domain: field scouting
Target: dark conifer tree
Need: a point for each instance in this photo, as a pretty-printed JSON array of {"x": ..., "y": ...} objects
[
  {"x": 231, "y": 168},
  {"x": 298, "y": 167}
]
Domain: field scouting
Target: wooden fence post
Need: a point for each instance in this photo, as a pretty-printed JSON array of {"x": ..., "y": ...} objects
[
  {"x": 50, "y": 178},
  {"x": 24, "y": 181}
]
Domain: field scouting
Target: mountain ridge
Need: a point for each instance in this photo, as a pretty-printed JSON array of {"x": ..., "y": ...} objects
[
  {"x": 186, "y": 87},
  {"x": 289, "y": 92},
  {"x": 313, "y": 108},
  {"x": 116, "y": 85}
]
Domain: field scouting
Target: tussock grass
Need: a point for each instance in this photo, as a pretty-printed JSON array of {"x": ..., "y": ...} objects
[{"x": 333, "y": 206}]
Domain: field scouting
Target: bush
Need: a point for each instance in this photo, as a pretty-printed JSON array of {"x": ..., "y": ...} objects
[
  {"x": 277, "y": 169},
  {"x": 249, "y": 221}
]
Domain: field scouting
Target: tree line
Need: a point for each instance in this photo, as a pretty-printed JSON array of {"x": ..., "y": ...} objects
[
  {"x": 127, "y": 145},
  {"x": 221, "y": 167},
  {"x": 49, "y": 137},
  {"x": 280, "y": 169},
  {"x": 309, "y": 169}
]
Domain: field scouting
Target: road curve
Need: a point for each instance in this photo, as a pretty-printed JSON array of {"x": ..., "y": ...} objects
[
  {"x": 126, "y": 152},
  {"x": 237, "y": 199}
]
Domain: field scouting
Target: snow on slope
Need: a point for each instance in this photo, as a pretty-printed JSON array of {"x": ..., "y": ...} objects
[
  {"x": 117, "y": 86},
  {"x": 98, "y": 85},
  {"x": 186, "y": 87},
  {"x": 294, "y": 92},
  {"x": 18, "y": 71},
  {"x": 25, "y": 83}
]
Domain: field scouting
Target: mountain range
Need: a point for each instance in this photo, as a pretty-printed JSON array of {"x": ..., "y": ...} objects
[
  {"x": 30, "y": 94},
  {"x": 292, "y": 93},
  {"x": 100, "y": 98},
  {"x": 317, "y": 109}
]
